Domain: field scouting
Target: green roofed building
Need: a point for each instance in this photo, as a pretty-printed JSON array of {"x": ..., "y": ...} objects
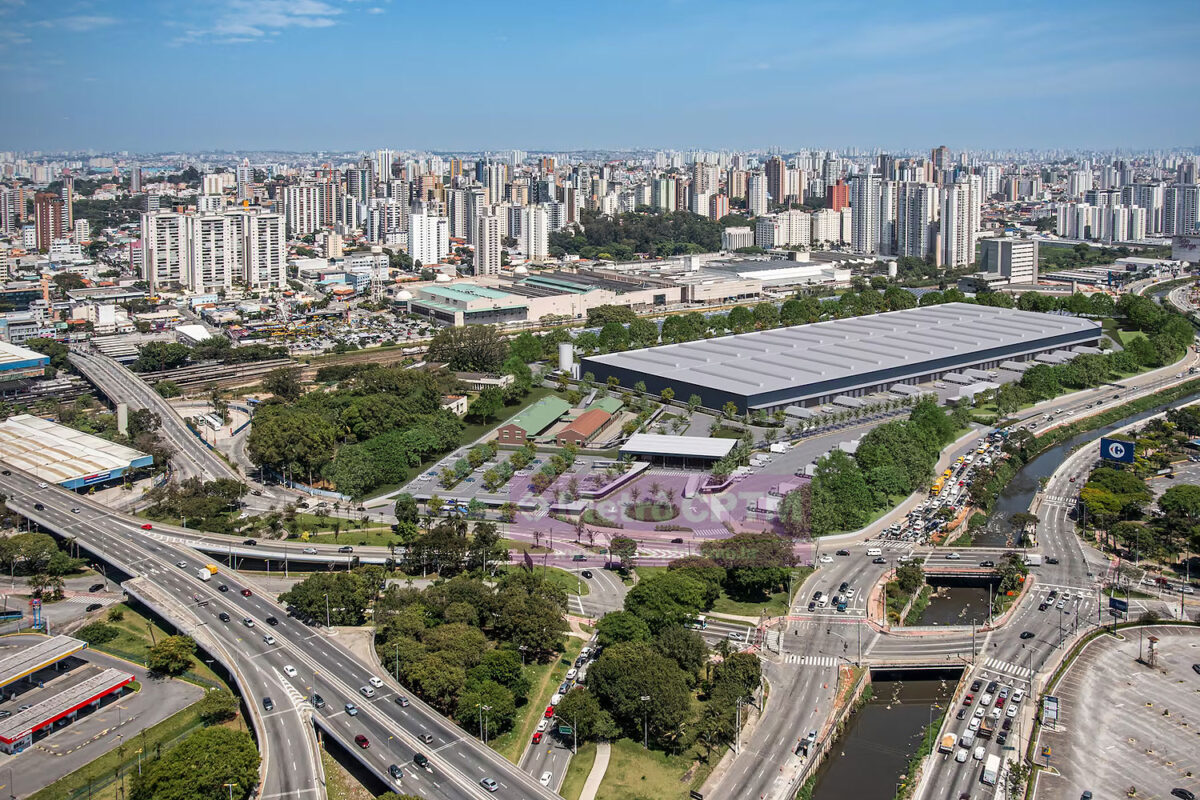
[
  {"x": 532, "y": 421},
  {"x": 610, "y": 404}
]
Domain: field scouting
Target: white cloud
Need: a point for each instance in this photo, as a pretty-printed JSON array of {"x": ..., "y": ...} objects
[
  {"x": 374, "y": 10},
  {"x": 250, "y": 20},
  {"x": 80, "y": 23}
]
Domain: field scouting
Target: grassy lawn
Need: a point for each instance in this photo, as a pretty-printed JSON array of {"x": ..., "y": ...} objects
[
  {"x": 545, "y": 678},
  {"x": 524, "y": 547},
  {"x": 339, "y": 784},
  {"x": 570, "y": 582},
  {"x": 635, "y": 773},
  {"x": 379, "y": 537},
  {"x": 578, "y": 770},
  {"x": 89, "y": 781},
  {"x": 137, "y": 634},
  {"x": 728, "y": 433}
]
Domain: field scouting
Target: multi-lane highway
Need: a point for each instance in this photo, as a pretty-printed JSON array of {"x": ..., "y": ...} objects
[{"x": 457, "y": 761}]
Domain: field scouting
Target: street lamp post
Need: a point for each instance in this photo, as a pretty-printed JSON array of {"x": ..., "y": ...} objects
[
  {"x": 230, "y": 786},
  {"x": 645, "y": 722},
  {"x": 326, "y": 609}
]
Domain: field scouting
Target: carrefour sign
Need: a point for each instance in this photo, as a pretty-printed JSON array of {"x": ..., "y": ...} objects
[
  {"x": 97, "y": 478},
  {"x": 1116, "y": 450}
]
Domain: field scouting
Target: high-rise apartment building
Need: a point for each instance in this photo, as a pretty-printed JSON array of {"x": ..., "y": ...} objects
[
  {"x": 1180, "y": 205},
  {"x": 837, "y": 196},
  {"x": 302, "y": 209},
  {"x": 535, "y": 232},
  {"x": 428, "y": 237},
  {"x": 756, "y": 194},
  {"x": 135, "y": 179},
  {"x": 210, "y": 252},
  {"x": 776, "y": 171},
  {"x": 48, "y": 219},
  {"x": 917, "y": 220},
  {"x": 958, "y": 227},
  {"x": 864, "y": 204},
  {"x": 487, "y": 244}
]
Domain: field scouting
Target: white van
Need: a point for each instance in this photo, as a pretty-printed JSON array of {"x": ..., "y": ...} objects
[
  {"x": 823, "y": 601},
  {"x": 874, "y": 551}
]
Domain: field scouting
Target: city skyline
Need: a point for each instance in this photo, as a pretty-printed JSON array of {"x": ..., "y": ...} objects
[{"x": 247, "y": 75}]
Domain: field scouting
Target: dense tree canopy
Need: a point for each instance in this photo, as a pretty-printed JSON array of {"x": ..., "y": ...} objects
[{"x": 201, "y": 767}]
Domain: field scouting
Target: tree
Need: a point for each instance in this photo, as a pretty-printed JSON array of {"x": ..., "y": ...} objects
[
  {"x": 625, "y": 549},
  {"x": 57, "y": 351},
  {"x": 755, "y": 563},
  {"x": 581, "y": 710},
  {"x": 470, "y": 348},
  {"x": 501, "y": 707},
  {"x": 910, "y": 576},
  {"x": 284, "y": 383},
  {"x": 348, "y": 593},
  {"x": 217, "y": 706},
  {"x": 158, "y": 356},
  {"x": 629, "y": 671},
  {"x": 669, "y": 598},
  {"x": 683, "y": 646},
  {"x": 171, "y": 655},
  {"x": 203, "y": 765},
  {"x": 621, "y": 626},
  {"x": 1181, "y": 501},
  {"x": 406, "y": 508},
  {"x": 487, "y": 405},
  {"x": 841, "y": 499}
]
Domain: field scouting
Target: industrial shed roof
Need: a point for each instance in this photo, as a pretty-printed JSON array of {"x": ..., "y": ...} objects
[
  {"x": 778, "y": 359},
  {"x": 60, "y": 454},
  {"x": 653, "y": 444}
]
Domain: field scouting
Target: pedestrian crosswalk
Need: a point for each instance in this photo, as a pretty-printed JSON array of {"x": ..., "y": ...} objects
[
  {"x": 1059, "y": 499},
  {"x": 710, "y": 533},
  {"x": 810, "y": 661},
  {"x": 996, "y": 665}
]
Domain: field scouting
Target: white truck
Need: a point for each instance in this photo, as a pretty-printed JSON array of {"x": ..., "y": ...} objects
[
  {"x": 991, "y": 770},
  {"x": 203, "y": 574},
  {"x": 1033, "y": 559}
]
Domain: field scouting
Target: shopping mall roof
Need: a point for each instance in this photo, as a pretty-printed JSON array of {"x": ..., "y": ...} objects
[
  {"x": 29, "y": 660},
  {"x": 68, "y": 457},
  {"x": 13, "y": 358}
]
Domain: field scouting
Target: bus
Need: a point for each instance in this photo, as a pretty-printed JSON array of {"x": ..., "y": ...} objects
[{"x": 699, "y": 623}]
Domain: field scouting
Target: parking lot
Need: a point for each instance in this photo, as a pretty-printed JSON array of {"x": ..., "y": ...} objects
[{"x": 1125, "y": 725}]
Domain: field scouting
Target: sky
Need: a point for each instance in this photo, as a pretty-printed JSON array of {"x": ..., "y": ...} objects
[{"x": 170, "y": 75}]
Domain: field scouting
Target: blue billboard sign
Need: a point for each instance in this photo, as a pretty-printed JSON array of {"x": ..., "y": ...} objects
[{"x": 1116, "y": 450}]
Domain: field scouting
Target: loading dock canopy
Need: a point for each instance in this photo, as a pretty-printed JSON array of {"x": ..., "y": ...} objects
[
  {"x": 653, "y": 444},
  {"x": 29, "y": 660}
]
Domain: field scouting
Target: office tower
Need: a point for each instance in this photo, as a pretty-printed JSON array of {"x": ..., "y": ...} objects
[
  {"x": 302, "y": 209},
  {"x": 756, "y": 194},
  {"x": 360, "y": 180},
  {"x": 864, "y": 204},
  {"x": 245, "y": 176},
  {"x": 916, "y": 220},
  {"x": 837, "y": 196},
  {"x": 1180, "y": 203},
  {"x": 535, "y": 233},
  {"x": 487, "y": 244},
  {"x": 48, "y": 218},
  {"x": 1015, "y": 259},
  {"x": 958, "y": 233},
  {"x": 428, "y": 237},
  {"x": 135, "y": 179},
  {"x": 776, "y": 172}
]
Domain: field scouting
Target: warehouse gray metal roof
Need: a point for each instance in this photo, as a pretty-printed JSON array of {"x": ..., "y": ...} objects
[{"x": 763, "y": 361}]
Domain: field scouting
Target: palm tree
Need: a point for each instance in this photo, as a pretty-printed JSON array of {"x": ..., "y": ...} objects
[
  {"x": 655, "y": 489},
  {"x": 635, "y": 492}
]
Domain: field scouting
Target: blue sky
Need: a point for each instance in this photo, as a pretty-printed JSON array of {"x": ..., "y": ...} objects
[{"x": 156, "y": 75}]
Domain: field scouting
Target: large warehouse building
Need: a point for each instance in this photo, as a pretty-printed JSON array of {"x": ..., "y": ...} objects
[{"x": 810, "y": 365}]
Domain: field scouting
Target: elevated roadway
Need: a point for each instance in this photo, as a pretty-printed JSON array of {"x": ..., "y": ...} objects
[{"x": 164, "y": 574}]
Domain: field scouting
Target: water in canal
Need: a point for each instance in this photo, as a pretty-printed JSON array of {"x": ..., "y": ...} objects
[
  {"x": 956, "y": 605},
  {"x": 870, "y": 759},
  {"x": 1018, "y": 494}
]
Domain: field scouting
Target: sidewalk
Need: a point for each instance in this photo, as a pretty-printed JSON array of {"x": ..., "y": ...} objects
[{"x": 596, "y": 776}]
